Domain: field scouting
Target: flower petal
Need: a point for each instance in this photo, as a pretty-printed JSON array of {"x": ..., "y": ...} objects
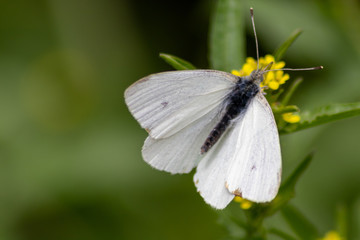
[
  {"x": 274, "y": 85},
  {"x": 291, "y": 117},
  {"x": 284, "y": 78},
  {"x": 235, "y": 72},
  {"x": 269, "y": 58},
  {"x": 278, "y": 65}
]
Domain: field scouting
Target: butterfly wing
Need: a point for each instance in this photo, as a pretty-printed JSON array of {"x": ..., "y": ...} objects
[
  {"x": 245, "y": 162},
  {"x": 255, "y": 170},
  {"x": 167, "y": 102},
  {"x": 211, "y": 173},
  {"x": 180, "y": 152}
]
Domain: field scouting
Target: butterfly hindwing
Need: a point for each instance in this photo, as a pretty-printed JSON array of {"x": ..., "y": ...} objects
[{"x": 180, "y": 153}]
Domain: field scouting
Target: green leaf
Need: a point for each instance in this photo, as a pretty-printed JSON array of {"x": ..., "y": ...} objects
[
  {"x": 285, "y": 109},
  {"x": 177, "y": 62},
  {"x": 289, "y": 92},
  {"x": 288, "y": 186},
  {"x": 232, "y": 222},
  {"x": 273, "y": 97},
  {"x": 280, "y": 52},
  {"x": 287, "y": 189},
  {"x": 342, "y": 220},
  {"x": 325, "y": 114},
  {"x": 227, "y": 36},
  {"x": 301, "y": 226}
]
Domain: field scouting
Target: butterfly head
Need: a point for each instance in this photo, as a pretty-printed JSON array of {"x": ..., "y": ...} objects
[{"x": 257, "y": 76}]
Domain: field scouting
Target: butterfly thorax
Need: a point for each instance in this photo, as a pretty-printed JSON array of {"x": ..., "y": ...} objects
[{"x": 235, "y": 104}]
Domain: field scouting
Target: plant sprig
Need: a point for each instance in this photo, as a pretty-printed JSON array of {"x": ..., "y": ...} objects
[{"x": 227, "y": 52}]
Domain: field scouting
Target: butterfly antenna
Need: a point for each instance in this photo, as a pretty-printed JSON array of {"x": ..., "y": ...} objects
[
  {"x": 268, "y": 67},
  {"x": 296, "y": 69},
  {"x": 256, "y": 40}
]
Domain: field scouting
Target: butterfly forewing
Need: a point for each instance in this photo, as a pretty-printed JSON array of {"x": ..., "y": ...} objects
[
  {"x": 254, "y": 171},
  {"x": 165, "y": 103},
  {"x": 245, "y": 162}
]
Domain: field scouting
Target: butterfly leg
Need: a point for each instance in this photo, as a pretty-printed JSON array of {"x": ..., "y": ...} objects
[{"x": 264, "y": 88}]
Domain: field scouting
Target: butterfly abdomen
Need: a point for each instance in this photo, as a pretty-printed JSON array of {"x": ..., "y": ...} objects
[{"x": 235, "y": 103}]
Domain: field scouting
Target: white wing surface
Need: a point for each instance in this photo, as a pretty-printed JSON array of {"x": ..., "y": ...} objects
[
  {"x": 245, "y": 162},
  {"x": 211, "y": 173},
  {"x": 180, "y": 153},
  {"x": 167, "y": 102},
  {"x": 254, "y": 171}
]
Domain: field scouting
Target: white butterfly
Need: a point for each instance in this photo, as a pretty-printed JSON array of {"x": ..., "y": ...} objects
[
  {"x": 215, "y": 121},
  {"x": 181, "y": 109}
]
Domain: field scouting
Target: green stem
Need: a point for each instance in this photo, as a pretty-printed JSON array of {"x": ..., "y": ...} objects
[{"x": 255, "y": 218}]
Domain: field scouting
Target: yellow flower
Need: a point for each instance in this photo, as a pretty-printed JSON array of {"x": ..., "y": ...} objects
[
  {"x": 244, "y": 204},
  {"x": 291, "y": 117},
  {"x": 332, "y": 235},
  {"x": 271, "y": 79}
]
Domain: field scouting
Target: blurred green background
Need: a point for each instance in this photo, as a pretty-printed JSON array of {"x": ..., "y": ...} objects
[{"x": 70, "y": 152}]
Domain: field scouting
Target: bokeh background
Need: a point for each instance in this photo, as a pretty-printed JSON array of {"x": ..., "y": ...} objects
[{"x": 70, "y": 152}]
